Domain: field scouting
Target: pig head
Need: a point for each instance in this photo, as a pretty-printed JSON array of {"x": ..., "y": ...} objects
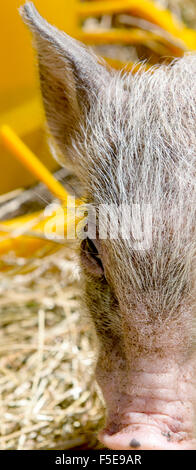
[{"x": 131, "y": 140}]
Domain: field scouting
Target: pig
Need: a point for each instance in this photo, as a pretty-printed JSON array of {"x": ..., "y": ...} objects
[{"x": 131, "y": 139}]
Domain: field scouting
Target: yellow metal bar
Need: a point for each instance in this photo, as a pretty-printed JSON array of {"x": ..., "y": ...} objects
[
  {"x": 19, "y": 150},
  {"x": 21, "y": 245},
  {"x": 132, "y": 36},
  {"x": 25, "y": 235},
  {"x": 21, "y": 235},
  {"x": 36, "y": 222},
  {"x": 144, "y": 9}
]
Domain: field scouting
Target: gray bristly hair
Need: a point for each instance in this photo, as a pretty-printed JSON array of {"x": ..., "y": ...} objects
[{"x": 140, "y": 138}]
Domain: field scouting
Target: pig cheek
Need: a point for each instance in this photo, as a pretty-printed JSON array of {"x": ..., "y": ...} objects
[{"x": 111, "y": 373}]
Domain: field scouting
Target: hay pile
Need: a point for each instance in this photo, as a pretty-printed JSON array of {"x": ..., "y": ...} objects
[{"x": 48, "y": 396}]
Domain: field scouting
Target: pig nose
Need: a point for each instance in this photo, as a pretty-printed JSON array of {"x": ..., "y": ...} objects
[{"x": 138, "y": 437}]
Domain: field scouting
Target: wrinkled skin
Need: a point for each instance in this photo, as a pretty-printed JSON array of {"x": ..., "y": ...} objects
[
  {"x": 150, "y": 394},
  {"x": 132, "y": 140}
]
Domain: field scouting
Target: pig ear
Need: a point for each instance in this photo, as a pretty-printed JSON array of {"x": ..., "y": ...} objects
[{"x": 70, "y": 77}]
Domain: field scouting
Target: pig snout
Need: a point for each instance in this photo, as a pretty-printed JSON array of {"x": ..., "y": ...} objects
[{"x": 151, "y": 408}]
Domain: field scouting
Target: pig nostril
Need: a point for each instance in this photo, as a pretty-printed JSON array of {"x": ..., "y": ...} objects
[
  {"x": 135, "y": 443},
  {"x": 167, "y": 435}
]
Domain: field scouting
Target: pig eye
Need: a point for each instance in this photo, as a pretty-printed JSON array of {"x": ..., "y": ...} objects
[{"x": 90, "y": 257}]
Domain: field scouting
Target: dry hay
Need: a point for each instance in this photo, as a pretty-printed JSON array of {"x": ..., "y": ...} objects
[{"x": 48, "y": 396}]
